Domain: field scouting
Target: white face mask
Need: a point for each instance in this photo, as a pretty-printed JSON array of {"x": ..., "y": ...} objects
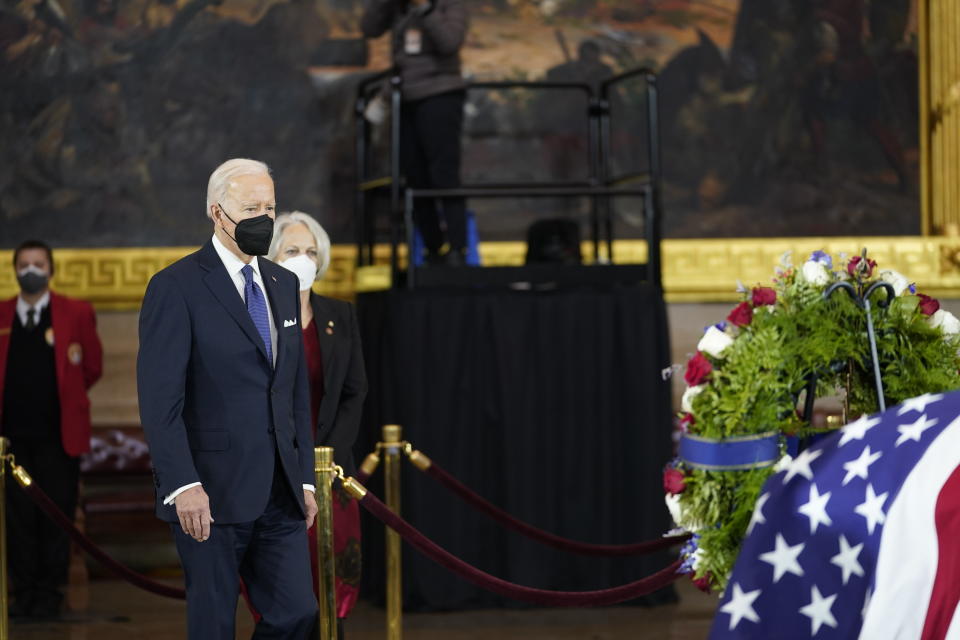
[{"x": 305, "y": 268}]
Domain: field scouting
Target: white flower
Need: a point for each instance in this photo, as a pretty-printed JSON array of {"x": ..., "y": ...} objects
[
  {"x": 673, "y": 506},
  {"x": 686, "y": 403},
  {"x": 815, "y": 273},
  {"x": 678, "y": 513},
  {"x": 896, "y": 279},
  {"x": 714, "y": 342},
  {"x": 944, "y": 320}
]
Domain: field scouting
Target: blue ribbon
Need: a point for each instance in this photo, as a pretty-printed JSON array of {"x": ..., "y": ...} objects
[{"x": 730, "y": 454}]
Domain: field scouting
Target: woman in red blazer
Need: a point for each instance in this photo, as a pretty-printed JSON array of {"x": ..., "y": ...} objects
[{"x": 50, "y": 355}]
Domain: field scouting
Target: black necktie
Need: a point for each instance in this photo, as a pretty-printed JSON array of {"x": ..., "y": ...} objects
[{"x": 31, "y": 318}]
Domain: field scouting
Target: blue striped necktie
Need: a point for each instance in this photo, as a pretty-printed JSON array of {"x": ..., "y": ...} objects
[{"x": 257, "y": 308}]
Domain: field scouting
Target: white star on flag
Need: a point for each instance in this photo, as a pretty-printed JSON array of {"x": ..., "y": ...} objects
[
  {"x": 872, "y": 508},
  {"x": 847, "y": 559},
  {"x": 816, "y": 509},
  {"x": 919, "y": 404},
  {"x": 819, "y": 611},
  {"x": 914, "y": 430},
  {"x": 857, "y": 429},
  {"x": 801, "y": 465},
  {"x": 757, "y": 517},
  {"x": 858, "y": 468},
  {"x": 784, "y": 558},
  {"x": 741, "y": 606}
]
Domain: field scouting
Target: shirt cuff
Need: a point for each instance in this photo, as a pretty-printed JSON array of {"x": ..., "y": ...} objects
[
  {"x": 173, "y": 496},
  {"x": 309, "y": 487}
]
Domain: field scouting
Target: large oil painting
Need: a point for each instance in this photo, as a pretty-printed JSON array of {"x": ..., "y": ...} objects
[{"x": 778, "y": 117}]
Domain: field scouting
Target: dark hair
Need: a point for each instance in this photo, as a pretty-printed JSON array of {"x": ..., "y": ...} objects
[{"x": 33, "y": 244}]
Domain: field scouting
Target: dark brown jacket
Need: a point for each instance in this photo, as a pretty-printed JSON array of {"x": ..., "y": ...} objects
[{"x": 443, "y": 27}]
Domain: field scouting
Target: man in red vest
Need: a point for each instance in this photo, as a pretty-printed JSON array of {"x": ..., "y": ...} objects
[{"x": 50, "y": 356}]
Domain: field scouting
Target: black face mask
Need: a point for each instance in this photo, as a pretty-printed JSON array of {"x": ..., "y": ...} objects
[
  {"x": 253, "y": 235},
  {"x": 32, "y": 282}
]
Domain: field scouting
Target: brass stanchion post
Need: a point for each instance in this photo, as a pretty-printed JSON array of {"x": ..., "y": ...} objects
[
  {"x": 4, "y": 599},
  {"x": 392, "y": 445},
  {"x": 325, "y": 472}
]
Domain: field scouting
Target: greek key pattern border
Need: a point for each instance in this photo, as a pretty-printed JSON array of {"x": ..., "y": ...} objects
[{"x": 700, "y": 270}]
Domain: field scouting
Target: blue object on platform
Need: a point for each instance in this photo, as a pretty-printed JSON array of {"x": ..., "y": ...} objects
[
  {"x": 473, "y": 243},
  {"x": 730, "y": 454}
]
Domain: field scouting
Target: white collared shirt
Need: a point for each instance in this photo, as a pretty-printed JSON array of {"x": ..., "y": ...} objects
[
  {"x": 23, "y": 308},
  {"x": 234, "y": 266}
]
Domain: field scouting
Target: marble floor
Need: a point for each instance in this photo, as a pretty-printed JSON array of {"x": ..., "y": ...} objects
[{"x": 112, "y": 610}]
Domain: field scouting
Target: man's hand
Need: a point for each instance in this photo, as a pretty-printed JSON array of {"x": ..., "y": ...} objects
[
  {"x": 310, "y": 502},
  {"x": 193, "y": 509}
]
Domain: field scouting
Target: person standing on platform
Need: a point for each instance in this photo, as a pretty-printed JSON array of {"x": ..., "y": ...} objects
[
  {"x": 225, "y": 405},
  {"x": 426, "y": 39},
  {"x": 338, "y": 385},
  {"x": 50, "y": 356}
]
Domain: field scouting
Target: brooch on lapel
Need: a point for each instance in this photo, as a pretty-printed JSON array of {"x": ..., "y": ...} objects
[
  {"x": 330, "y": 328},
  {"x": 48, "y": 336}
]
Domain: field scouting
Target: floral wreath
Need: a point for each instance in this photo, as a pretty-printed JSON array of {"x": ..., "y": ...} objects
[{"x": 740, "y": 415}]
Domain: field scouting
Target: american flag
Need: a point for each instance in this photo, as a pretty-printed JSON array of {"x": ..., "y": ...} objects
[{"x": 859, "y": 537}]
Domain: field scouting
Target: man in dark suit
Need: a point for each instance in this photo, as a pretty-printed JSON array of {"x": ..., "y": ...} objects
[
  {"x": 50, "y": 356},
  {"x": 225, "y": 404}
]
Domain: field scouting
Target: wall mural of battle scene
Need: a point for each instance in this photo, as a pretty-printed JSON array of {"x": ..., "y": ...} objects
[{"x": 779, "y": 117}]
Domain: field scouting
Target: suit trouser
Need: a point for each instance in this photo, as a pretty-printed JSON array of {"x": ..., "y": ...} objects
[
  {"x": 271, "y": 556},
  {"x": 39, "y": 550},
  {"x": 430, "y": 131}
]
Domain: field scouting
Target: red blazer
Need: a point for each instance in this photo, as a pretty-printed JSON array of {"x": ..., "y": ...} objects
[{"x": 79, "y": 361}]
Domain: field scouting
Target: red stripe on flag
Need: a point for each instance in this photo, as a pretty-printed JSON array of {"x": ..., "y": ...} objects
[{"x": 946, "y": 586}]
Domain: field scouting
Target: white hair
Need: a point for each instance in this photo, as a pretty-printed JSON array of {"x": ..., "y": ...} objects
[
  {"x": 288, "y": 219},
  {"x": 224, "y": 175}
]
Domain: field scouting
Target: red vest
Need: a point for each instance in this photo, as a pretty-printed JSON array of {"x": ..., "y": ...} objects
[{"x": 79, "y": 361}]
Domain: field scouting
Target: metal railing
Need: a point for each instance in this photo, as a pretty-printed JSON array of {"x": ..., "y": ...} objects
[{"x": 601, "y": 185}]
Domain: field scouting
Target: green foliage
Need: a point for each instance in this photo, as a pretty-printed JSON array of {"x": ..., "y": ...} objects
[{"x": 756, "y": 381}]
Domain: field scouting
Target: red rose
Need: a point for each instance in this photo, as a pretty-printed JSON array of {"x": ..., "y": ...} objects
[
  {"x": 854, "y": 264},
  {"x": 698, "y": 368},
  {"x": 686, "y": 420},
  {"x": 928, "y": 305},
  {"x": 703, "y": 583},
  {"x": 674, "y": 481},
  {"x": 742, "y": 315},
  {"x": 763, "y": 296}
]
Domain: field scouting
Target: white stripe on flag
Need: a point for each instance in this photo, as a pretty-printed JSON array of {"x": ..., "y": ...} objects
[{"x": 907, "y": 563}]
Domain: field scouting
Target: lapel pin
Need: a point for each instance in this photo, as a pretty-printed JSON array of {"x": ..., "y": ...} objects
[
  {"x": 274, "y": 278},
  {"x": 330, "y": 323}
]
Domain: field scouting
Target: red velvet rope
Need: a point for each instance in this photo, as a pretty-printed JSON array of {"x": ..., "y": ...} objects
[
  {"x": 138, "y": 580},
  {"x": 564, "y": 544},
  {"x": 484, "y": 580}
]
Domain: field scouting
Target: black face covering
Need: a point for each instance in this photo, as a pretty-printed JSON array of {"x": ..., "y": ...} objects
[
  {"x": 32, "y": 282},
  {"x": 253, "y": 235}
]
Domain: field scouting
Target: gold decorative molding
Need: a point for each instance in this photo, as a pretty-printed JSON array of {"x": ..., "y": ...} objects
[
  {"x": 939, "y": 31},
  {"x": 695, "y": 270}
]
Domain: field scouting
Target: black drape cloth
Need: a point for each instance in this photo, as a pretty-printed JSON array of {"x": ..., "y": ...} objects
[{"x": 550, "y": 404}]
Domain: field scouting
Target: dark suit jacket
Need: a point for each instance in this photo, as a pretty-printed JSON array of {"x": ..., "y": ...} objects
[
  {"x": 344, "y": 378},
  {"x": 78, "y": 356},
  {"x": 213, "y": 409}
]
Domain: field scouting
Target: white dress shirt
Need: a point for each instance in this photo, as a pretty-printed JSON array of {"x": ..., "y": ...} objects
[
  {"x": 234, "y": 266},
  {"x": 23, "y": 308}
]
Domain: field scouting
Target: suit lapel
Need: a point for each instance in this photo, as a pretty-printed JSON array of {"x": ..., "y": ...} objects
[
  {"x": 278, "y": 306},
  {"x": 322, "y": 316},
  {"x": 225, "y": 291}
]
